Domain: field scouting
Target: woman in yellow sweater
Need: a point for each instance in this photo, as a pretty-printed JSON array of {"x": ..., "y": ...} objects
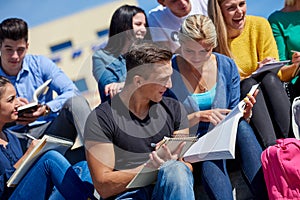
[{"x": 249, "y": 41}]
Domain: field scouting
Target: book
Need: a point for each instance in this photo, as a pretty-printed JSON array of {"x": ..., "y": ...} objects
[
  {"x": 219, "y": 143},
  {"x": 46, "y": 143},
  {"x": 148, "y": 175},
  {"x": 32, "y": 106},
  {"x": 273, "y": 66}
]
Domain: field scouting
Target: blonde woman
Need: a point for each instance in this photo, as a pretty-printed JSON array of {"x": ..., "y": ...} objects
[
  {"x": 207, "y": 84},
  {"x": 285, "y": 24},
  {"x": 249, "y": 41}
]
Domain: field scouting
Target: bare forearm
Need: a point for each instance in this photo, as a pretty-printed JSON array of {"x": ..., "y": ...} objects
[
  {"x": 288, "y": 72},
  {"x": 194, "y": 118},
  {"x": 115, "y": 182}
]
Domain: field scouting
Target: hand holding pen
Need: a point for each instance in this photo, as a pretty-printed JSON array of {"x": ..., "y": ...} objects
[
  {"x": 296, "y": 61},
  {"x": 265, "y": 61}
]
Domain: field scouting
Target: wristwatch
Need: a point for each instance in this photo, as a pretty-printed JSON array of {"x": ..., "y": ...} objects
[{"x": 47, "y": 110}]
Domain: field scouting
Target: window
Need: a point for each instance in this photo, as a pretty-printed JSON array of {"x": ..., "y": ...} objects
[
  {"x": 102, "y": 33},
  {"x": 61, "y": 46},
  {"x": 81, "y": 85}
]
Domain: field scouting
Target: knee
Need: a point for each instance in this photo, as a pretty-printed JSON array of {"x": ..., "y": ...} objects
[
  {"x": 246, "y": 84},
  {"x": 52, "y": 155},
  {"x": 270, "y": 79},
  {"x": 175, "y": 171},
  {"x": 212, "y": 167},
  {"x": 55, "y": 157},
  {"x": 76, "y": 101},
  {"x": 244, "y": 130},
  {"x": 82, "y": 170}
]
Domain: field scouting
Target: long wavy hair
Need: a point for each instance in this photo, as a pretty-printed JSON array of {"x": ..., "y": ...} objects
[{"x": 215, "y": 14}]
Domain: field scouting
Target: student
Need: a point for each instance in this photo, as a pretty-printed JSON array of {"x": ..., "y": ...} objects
[
  {"x": 207, "y": 84},
  {"x": 128, "y": 24},
  {"x": 119, "y": 132},
  {"x": 165, "y": 20},
  {"x": 52, "y": 169},
  {"x": 249, "y": 40},
  {"x": 285, "y": 24},
  {"x": 63, "y": 115}
]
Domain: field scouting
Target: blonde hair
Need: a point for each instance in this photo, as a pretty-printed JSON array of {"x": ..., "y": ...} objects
[
  {"x": 289, "y": 2},
  {"x": 199, "y": 28},
  {"x": 215, "y": 14}
]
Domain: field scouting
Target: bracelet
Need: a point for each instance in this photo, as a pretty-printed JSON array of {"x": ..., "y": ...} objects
[{"x": 248, "y": 119}]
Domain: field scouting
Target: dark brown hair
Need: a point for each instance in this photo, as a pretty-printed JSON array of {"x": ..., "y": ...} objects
[{"x": 14, "y": 29}]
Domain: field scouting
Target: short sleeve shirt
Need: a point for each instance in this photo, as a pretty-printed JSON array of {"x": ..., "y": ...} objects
[{"x": 112, "y": 122}]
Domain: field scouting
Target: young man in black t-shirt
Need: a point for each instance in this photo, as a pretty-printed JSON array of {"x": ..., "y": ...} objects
[{"x": 119, "y": 133}]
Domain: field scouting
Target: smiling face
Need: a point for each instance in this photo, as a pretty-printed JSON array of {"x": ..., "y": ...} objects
[
  {"x": 139, "y": 25},
  {"x": 179, "y": 8},
  {"x": 234, "y": 13},
  {"x": 12, "y": 55},
  {"x": 8, "y": 104}
]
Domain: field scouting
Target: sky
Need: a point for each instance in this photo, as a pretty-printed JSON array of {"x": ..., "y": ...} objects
[{"x": 36, "y": 12}]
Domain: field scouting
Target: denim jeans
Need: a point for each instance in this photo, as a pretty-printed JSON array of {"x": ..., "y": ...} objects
[
  {"x": 82, "y": 170},
  {"x": 249, "y": 151},
  {"x": 174, "y": 181},
  {"x": 214, "y": 173},
  {"x": 52, "y": 169}
]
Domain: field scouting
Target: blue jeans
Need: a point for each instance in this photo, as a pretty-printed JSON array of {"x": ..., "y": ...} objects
[
  {"x": 249, "y": 153},
  {"x": 174, "y": 181},
  {"x": 82, "y": 170},
  {"x": 52, "y": 169},
  {"x": 214, "y": 173}
]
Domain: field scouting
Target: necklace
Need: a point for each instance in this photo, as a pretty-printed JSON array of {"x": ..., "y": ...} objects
[
  {"x": 191, "y": 76},
  {"x": 200, "y": 85}
]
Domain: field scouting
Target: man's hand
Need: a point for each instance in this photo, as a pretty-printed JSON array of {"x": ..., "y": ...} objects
[
  {"x": 22, "y": 101},
  {"x": 28, "y": 118},
  {"x": 156, "y": 161}
]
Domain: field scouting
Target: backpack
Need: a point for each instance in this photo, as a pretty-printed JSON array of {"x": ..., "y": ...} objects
[{"x": 281, "y": 167}]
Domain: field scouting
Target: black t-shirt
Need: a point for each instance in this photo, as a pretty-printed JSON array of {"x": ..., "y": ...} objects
[{"x": 112, "y": 122}]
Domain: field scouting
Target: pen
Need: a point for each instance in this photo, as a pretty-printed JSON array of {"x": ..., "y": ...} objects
[
  {"x": 30, "y": 136},
  {"x": 153, "y": 145},
  {"x": 293, "y": 51}
]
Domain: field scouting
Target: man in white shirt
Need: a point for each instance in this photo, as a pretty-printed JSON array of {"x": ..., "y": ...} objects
[{"x": 165, "y": 20}]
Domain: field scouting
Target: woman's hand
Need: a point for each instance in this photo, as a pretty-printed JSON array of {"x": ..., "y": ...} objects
[
  {"x": 113, "y": 88},
  {"x": 296, "y": 58},
  {"x": 32, "y": 145},
  {"x": 296, "y": 63},
  {"x": 265, "y": 61},
  {"x": 213, "y": 116},
  {"x": 250, "y": 101}
]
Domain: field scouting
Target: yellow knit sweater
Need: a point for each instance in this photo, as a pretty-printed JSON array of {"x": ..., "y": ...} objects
[{"x": 254, "y": 44}]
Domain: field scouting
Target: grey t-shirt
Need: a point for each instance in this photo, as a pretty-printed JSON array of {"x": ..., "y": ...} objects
[{"x": 112, "y": 122}]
